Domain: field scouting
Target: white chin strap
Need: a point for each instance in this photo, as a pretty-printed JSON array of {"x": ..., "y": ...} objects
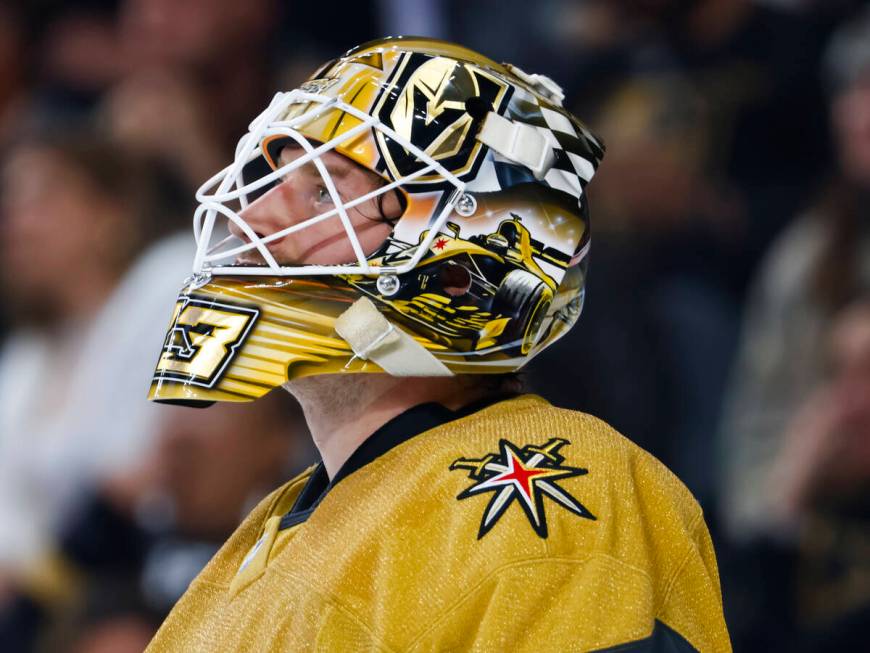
[
  {"x": 518, "y": 142},
  {"x": 373, "y": 337}
]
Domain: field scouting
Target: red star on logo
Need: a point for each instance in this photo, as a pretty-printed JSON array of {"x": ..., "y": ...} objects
[
  {"x": 525, "y": 474},
  {"x": 440, "y": 243},
  {"x": 521, "y": 477}
]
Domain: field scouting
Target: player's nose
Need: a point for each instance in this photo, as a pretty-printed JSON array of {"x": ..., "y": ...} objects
[{"x": 265, "y": 216}]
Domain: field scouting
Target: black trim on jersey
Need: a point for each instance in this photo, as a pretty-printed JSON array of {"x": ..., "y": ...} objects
[
  {"x": 663, "y": 639},
  {"x": 401, "y": 428}
]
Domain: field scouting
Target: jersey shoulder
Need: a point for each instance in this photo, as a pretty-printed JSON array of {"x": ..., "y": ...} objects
[
  {"x": 530, "y": 431},
  {"x": 225, "y": 564},
  {"x": 526, "y": 475}
]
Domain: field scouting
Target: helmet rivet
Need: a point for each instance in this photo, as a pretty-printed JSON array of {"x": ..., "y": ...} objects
[
  {"x": 466, "y": 205},
  {"x": 388, "y": 284},
  {"x": 198, "y": 280}
]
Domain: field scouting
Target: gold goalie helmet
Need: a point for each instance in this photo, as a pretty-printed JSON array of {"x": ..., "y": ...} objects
[{"x": 479, "y": 265}]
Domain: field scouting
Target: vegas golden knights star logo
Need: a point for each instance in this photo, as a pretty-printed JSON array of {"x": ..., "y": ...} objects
[
  {"x": 425, "y": 103},
  {"x": 523, "y": 475},
  {"x": 203, "y": 338}
]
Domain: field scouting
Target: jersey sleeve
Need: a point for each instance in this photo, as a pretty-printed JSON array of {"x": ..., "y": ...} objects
[{"x": 692, "y": 604}]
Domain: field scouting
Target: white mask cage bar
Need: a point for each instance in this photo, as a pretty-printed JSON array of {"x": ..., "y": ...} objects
[{"x": 228, "y": 186}]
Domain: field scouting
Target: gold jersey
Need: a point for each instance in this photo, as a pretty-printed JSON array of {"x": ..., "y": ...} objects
[{"x": 519, "y": 527}]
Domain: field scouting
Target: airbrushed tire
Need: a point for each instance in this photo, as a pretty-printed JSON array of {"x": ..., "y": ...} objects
[{"x": 526, "y": 299}]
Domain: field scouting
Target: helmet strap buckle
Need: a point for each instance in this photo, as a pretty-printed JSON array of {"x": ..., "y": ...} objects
[{"x": 373, "y": 337}]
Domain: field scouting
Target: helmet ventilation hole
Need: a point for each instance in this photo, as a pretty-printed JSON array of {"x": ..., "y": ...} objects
[{"x": 455, "y": 279}]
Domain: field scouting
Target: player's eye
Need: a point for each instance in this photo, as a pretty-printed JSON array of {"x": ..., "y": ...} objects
[{"x": 323, "y": 194}]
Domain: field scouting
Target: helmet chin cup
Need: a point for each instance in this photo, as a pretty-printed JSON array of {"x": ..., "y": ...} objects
[{"x": 483, "y": 269}]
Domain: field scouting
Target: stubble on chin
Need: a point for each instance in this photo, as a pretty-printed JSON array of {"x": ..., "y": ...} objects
[{"x": 336, "y": 392}]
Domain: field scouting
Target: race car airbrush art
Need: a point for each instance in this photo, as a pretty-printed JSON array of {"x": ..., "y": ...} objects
[{"x": 484, "y": 291}]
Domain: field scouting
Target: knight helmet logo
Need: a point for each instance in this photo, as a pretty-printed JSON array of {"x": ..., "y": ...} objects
[{"x": 425, "y": 103}]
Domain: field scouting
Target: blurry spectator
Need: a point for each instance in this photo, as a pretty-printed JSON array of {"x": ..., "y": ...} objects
[
  {"x": 148, "y": 531},
  {"x": 222, "y": 46},
  {"x": 163, "y": 116},
  {"x": 197, "y": 34},
  {"x": 825, "y": 458},
  {"x": 815, "y": 267},
  {"x": 80, "y": 53},
  {"x": 811, "y": 593},
  {"x": 75, "y": 213},
  {"x": 823, "y": 478},
  {"x": 222, "y": 49},
  {"x": 798, "y": 558}
]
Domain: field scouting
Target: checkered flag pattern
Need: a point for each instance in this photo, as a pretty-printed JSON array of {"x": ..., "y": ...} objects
[{"x": 577, "y": 152}]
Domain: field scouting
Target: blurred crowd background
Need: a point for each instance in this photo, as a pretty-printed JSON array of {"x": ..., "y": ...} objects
[{"x": 726, "y": 329}]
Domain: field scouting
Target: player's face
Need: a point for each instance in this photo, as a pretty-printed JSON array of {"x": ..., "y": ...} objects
[{"x": 302, "y": 194}]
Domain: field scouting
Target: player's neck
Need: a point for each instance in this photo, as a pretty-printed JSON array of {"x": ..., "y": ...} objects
[{"x": 343, "y": 410}]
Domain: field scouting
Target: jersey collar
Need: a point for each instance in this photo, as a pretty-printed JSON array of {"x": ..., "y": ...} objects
[{"x": 401, "y": 428}]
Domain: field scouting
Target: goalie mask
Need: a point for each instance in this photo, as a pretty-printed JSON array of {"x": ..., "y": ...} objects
[{"x": 414, "y": 208}]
